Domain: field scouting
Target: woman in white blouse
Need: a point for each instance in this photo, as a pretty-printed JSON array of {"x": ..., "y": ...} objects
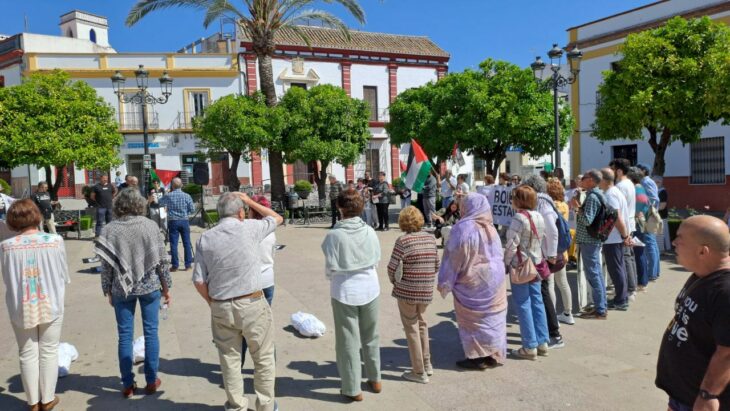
[
  {"x": 352, "y": 252},
  {"x": 35, "y": 274}
]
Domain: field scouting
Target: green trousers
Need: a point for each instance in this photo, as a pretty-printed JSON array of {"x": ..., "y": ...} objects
[{"x": 356, "y": 328}]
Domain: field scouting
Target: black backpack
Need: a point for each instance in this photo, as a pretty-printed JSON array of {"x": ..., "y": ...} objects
[{"x": 605, "y": 220}]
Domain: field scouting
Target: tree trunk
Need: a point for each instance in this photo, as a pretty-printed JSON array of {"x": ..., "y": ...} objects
[
  {"x": 659, "y": 149},
  {"x": 53, "y": 186},
  {"x": 276, "y": 158},
  {"x": 233, "y": 182},
  {"x": 320, "y": 178},
  {"x": 494, "y": 164}
]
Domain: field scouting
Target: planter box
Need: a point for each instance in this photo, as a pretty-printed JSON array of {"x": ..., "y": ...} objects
[{"x": 211, "y": 217}]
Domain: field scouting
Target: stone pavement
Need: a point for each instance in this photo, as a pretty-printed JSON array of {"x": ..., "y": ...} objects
[{"x": 605, "y": 365}]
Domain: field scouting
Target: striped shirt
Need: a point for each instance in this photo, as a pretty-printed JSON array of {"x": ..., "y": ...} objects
[{"x": 421, "y": 262}]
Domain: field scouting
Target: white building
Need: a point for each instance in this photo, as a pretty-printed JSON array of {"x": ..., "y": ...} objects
[
  {"x": 696, "y": 174},
  {"x": 372, "y": 66}
]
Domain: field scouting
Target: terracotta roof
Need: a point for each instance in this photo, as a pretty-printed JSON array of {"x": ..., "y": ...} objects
[{"x": 327, "y": 38}]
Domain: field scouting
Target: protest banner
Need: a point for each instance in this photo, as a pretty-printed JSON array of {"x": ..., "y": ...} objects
[{"x": 501, "y": 202}]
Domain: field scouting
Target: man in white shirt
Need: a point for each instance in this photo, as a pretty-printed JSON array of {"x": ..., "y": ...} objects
[
  {"x": 462, "y": 187},
  {"x": 620, "y": 167},
  {"x": 488, "y": 188},
  {"x": 448, "y": 185},
  {"x": 613, "y": 247}
]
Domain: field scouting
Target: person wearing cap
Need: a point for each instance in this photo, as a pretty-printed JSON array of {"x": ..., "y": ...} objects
[
  {"x": 5, "y": 202},
  {"x": 227, "y": 275}
]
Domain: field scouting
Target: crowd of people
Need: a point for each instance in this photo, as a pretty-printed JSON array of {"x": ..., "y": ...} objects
[{"x": 609, "y": 217}]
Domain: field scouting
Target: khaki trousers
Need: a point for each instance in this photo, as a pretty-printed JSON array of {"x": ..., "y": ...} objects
[
  {"x": 416, "y": 334},
  {"x": 232, "y": 321},
  {"x": 38, "y": 352},
  {"x": 50, "y": 224}
]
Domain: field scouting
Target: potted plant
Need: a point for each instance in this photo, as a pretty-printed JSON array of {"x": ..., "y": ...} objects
[{"x": 303, "y": 188}]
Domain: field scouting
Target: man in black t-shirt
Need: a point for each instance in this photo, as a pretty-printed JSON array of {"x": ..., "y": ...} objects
[
  {"x": 42, "y": 198},
  {"x": 103, "y": 193},
  {"x": 694, "y": 357}
]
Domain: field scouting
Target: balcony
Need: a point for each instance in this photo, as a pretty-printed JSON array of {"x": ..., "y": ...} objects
[
  {"x": 133, "y": 121},
  {"x": 383, "y": 117},
  {"x": 184, "y": 120}
]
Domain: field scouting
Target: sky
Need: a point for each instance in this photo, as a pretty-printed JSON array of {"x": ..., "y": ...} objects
[{"x": 470, "y": 30}]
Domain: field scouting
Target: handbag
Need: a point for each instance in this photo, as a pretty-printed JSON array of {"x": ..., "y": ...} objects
[
  {"x": 524, "y": 272},
  {"x": 559, "y": 264},
  {"x": 542, "y": 267}
]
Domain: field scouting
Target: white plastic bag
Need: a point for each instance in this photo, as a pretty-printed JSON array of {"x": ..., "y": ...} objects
[
  {"x": 67, "y": 353},
  {"x": 307, "y": 324},
  {"x": 138, "y": 350}
]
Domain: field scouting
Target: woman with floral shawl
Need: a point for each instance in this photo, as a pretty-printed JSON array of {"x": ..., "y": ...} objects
[{"x": 473, "y": 270}]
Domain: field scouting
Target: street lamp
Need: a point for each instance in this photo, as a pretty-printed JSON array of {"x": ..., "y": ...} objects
[
  {"x": 143, "y": 98},
  {"x": 556, "y": 81}
]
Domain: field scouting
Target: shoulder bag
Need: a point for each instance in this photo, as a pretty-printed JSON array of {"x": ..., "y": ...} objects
[
  {"x": 525, "y": 271},
  {"x": 542, "y": 267}
]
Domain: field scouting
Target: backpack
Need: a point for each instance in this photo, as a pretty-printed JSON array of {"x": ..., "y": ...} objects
[
  {"x": 654, "y": 224},
  {"x": 564, "y": 237},
  {"x": 605, "y": 220}
]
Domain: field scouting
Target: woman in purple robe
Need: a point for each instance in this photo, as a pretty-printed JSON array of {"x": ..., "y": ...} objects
[{"x": 473, "y": 270}]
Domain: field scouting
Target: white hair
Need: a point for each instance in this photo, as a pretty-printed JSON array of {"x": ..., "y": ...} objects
[{"x": 229, "y": 205}]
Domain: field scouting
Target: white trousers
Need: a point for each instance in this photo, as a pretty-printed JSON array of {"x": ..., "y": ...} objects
[{"x": 38, "y": 352}]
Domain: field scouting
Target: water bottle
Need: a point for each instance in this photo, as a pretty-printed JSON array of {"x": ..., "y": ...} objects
[{"x": 163, "y": 309}]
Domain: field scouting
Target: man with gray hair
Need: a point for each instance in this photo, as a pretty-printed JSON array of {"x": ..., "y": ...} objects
[
  {"x": 334, "y": 191},
  {"x": 227, "y": 275},
  {"x": 590, "y": 247},
  {"x": 179, "y": 206}
]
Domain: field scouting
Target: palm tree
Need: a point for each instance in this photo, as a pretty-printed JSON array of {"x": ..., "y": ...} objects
[{"x": 260, "y": 20}]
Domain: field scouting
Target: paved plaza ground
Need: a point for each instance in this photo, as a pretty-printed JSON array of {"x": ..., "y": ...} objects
[{"x": 606, "y": 365}]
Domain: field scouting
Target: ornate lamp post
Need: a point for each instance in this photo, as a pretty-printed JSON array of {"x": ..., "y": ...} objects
[
  {"x": 556, "y": 81},
  {"x": 143, "y": 98}
]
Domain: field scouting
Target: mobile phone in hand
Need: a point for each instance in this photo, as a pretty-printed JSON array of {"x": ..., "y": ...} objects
[{"x": 279, "y": 247}]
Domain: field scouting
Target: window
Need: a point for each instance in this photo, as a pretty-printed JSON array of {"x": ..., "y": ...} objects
[
  {"x": 196, "y": 101},
  {"x": 372, "y": 161},
  {"x": 70, "y": 33},
  {"x": 707, "y": 161},
  {"x": 629, "y": 152},
  {"x": 370, "y": 95},
  {"x": 92, "y": 35},
  {"x": 508, "y": 167},
  {"x": 131, "y": 113},
  {"x": 480, "y": 166}
]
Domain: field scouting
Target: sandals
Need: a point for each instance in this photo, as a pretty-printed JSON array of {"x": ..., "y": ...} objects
[{"x": 525, "y": 353}]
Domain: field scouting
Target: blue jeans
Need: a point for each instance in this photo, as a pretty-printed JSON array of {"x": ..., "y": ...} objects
[
  {"x": 177, "y": 228},
  {"x": 651, "y": 252},
  {"x": 124, "y": 309},
  {"x": 531, "y": 312},
  {"x": 103, "y": 217},
  {"x": 642, "y": 275},
  {"x": 445, "y": 201},
  {"x": 591, "y": 256},
  {"x": 269, "y": 296}
]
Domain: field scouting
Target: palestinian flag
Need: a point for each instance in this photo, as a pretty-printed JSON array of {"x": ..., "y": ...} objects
[{"x": 417, "y": 168}]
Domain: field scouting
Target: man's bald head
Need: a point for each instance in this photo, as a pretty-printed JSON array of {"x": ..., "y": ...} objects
[
  {"x": 702, "y": 245},
  {"x": 709, "y": 231}
]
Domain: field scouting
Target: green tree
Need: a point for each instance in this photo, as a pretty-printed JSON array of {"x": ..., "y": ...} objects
[
  {"x": 237, "y": 125},
  {"x": 672, "y": 81},
  {"x": 485, "y": 112},
  {"x": 324, "y": 125},
  {"x": 51, "y": 121},
  {"x": 260, "y": 20}
]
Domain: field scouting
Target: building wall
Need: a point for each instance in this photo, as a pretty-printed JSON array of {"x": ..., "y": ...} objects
[
  {"x": 11, "y": 74},
  {"x": 593, "y": 153}
]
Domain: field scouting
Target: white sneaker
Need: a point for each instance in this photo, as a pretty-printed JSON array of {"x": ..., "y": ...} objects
[
  {"x": 419, "y": 378},
  {"x": 632, "y": 296},
  {"x": 566, "y": 318}
]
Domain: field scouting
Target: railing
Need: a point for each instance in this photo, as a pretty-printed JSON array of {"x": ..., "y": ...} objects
[
  {"x": 383, "y": 116},
  {"x": 184, "y": 120},
  {"x": 133, "y": 121}
]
